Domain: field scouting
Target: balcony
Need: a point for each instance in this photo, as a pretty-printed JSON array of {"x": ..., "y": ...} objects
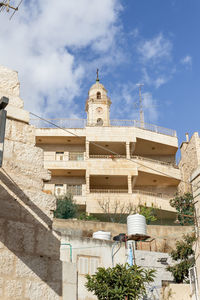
[
  {"x": 120, "y": 198},
  {"x": 70, "y": 160},
  {"x": 158, "y": 167}
]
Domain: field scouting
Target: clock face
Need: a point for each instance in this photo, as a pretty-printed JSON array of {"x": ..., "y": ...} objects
[{"x": 99, "y": 110}]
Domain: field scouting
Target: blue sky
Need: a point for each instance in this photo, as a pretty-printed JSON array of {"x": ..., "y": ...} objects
[{"x": 56, "y": 50}]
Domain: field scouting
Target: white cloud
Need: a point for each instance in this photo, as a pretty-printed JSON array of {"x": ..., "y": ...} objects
[
  {"x": 43, "y": 41},
  {"x": 155, "y": 80},
  {"x": 150, "y": 109},
  {"x": 160, "y": 81},
  {"x": 126, "y": 103},
  {"x": 187, "y": 60},
  {"x": 155, "y": 49}
]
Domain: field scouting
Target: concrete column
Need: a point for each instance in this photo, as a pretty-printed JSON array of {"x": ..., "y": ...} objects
[
  {"x": 69, "y": 278},
  {"x": 87, "y": 184},
  {"x": 128, "y": 150},
  {"x": 129, "y": 184},
  {"x": 87, "y": 149}
]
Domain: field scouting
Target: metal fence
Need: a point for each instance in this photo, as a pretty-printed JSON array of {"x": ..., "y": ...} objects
[
  {"x": 63, "y": 123},
  {"x": 82, "y": 123}
]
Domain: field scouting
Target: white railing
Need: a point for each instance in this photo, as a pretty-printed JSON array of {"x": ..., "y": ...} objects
[
  {"x": 155, "y": 161},
  {"x": 76, "y": 156},
  {"x": 107, "y": 156},
  {"x": 125, "y": 191},
  {"x": 107, "y": 191},
  {"x": 159, "y": 195},
  {"x": 63, "y": 123},
  {"x": 81, "y": 123}
]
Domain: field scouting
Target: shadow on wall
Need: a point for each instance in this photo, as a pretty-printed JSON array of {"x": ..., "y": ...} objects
[{"x": 34, "y": 249}]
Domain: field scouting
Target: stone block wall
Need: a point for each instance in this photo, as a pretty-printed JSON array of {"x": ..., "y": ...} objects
[
  {"x": 30, "y": 268},
  {"x": 190, "y": 159}
]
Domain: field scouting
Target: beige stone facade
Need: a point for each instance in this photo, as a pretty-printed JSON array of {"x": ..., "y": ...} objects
[
  {"x": 99, "y": 160},
  {"x": 190, "y": 171},
  {"x": 190, "y": 159},
  {"x": 30, "y": 268}
]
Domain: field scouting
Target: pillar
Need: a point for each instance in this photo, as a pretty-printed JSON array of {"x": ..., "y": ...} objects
[
  {"x": 87, "y": 184},
  {"x": 87, "y": 149},
  {"x": 129, "y": 184},
  {"x": 128, "y": 150}
]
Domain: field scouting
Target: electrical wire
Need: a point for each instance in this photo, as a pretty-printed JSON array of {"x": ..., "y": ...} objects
[{"x": 108, "y": 150}]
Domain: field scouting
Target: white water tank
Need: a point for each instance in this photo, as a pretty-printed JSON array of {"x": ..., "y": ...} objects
[
  {"x": 102, "y": 235},
  {"x": 136, "y": 224}
]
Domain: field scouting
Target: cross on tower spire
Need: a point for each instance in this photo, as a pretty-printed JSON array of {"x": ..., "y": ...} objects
[{"x": 97, "y": 75}]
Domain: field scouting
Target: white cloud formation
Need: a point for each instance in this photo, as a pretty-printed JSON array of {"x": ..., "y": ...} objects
[
  {"x": 126, "y": 103},
  {"x": 187, "y": 60},
  {"x": 155, "y": 49},
  {"x": 150, "y": 109},
  {"x": 43, "y": 41}
]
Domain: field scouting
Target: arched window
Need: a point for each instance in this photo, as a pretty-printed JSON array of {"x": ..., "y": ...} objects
[
  {"x": 99, "y": 122},
  {"x": 98, "y": 95}
]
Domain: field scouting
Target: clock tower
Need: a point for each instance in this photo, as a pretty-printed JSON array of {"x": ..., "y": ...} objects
[{"x": 98, "y": 105}]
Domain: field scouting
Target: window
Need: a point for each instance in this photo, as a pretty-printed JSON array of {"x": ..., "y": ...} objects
[
  {"x": 74, "y": 189},
  {"x": 99, "y": 122},
  {"x": 76, "y": 156},
  {"x": 59, "y": 155},
  {"x": 88, "y": 264},
  {"x": 98, "y": 95},
  {"x": 59, "y": 189}
]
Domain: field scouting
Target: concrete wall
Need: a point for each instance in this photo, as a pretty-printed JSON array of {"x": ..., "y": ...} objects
[
  {"x": 163, "y": 237},
  {"x": 89, "y": 254},
  {"x": 176, "y": 292},
  {"x": 30, "y": 268}
]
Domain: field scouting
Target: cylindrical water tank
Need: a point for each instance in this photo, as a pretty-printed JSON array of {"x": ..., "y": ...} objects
[
  {"x": 102, "y": 235},
  {"x": 136, "y": 224}
]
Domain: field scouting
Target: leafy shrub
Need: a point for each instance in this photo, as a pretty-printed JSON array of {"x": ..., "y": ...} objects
[
  {"x": 66, "y": 208},
  {"x": 119, "y": 282}
]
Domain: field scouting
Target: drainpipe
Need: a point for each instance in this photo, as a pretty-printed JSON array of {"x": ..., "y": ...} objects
[{"x": 70, "y": 245}]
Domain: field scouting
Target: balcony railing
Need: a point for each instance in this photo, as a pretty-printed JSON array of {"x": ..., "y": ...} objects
[
  {"x": 155, "y": 161},
  {"x": 107, "y": 156},
  {"x": 159, "y": 195},
  {"x": 107, "y": 191},
  {"x": 125, "y": 191},
  {"x": 82, "y": 123},
  {"x": 76, "y": 156}
]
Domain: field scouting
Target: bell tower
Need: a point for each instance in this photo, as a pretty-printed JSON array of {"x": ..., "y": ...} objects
[{"x": 98, "y": 105}]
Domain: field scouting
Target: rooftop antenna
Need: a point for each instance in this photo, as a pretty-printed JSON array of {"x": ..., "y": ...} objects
[
  {"x": 6, "y": 4},
  {"x": 140, "y": 103},
  {"x": 97, "y": 75}
]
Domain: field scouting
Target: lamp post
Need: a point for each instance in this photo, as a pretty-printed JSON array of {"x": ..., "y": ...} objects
[{"x": 3, "y": 113}]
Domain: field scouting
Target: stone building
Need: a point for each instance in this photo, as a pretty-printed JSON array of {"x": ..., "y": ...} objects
[
  {"x": 190, "y": 172},
  {"x": 30, "y": 266},
  {"x": 109, "y": 163}
]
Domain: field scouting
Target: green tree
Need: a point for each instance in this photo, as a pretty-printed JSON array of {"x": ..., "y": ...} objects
[
  {"x": 86, "y": 217},
  {"x": 184, "y": 205},
  {"x": 66, "y": 208},
  {"x": 120, "y": 282},
  {"x": 148, "y": 213},
  {"x": 184, "y": 254}
]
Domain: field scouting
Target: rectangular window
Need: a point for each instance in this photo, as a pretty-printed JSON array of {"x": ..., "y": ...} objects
[
  {"x": 88, "y": 264},
  {"x": 59, "y": 189},
  {"x": 74, "y": 189},
  {"x": 59, "y": 155},
  {"x": 76, "y": 156}
]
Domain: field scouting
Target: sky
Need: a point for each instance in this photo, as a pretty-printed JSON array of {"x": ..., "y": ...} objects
[{"x": 56, "y": 47}]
